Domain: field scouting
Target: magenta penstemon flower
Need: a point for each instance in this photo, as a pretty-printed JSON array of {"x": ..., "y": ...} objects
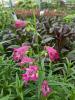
[
  {"x": 18, "y": 53},
  {"x": 46, "y": 90},
  {"x": 26, "y": 60},
  {"x": 31, "y": 74},
  {"x": 20, "y": 23},
  {"x": 53, "y": 53}
]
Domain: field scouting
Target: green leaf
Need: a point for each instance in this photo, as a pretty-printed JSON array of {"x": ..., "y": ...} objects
[
  {"x": 72, "y": 97},
  {"x": 13, "y": 46},
  {"x": 41, "y": 77},
  {"x": 5, "y": 98},
  {"x": 71, "y": 55},
  {"x": 19, "y": 85},
  {"x": 47, "y": 39},
  {"x": 1, "y": 48}
]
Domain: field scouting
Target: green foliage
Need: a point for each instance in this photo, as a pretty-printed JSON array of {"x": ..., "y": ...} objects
[
  {"x": 12, "y": 87},
  {"x": 27, "y": 4},
  {"x": 7, "y": 78},
  {"x": 71, "y": 1},
  {"x": 69, "y": 18},
  {"x": 5, "y": 18}
]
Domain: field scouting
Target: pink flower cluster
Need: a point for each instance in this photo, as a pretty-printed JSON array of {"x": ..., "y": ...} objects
[
  {"x": 19, "y": 55},
  {"x": 31, "y": 74},
  {"x": 45, "y": 88},
  {"x": 53, "y": 54},
  {"x": 20, "y": 23}
]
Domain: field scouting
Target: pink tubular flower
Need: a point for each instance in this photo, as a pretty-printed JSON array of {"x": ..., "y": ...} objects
[
  {"x": 26, "y": 78},
  {"x": 20, "y": 23},
  {"x": 18, "y": 53},
  {"x": 31, "y": 74},
  {"x": 26, "y": 60},
  {"x": 53, "y": 54},
  {"x": 45, "y": 88},
  {"x": 17, "y": 56}
]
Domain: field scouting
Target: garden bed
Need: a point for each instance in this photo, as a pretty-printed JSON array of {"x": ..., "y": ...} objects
[{"x": 37, "y": 54}]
